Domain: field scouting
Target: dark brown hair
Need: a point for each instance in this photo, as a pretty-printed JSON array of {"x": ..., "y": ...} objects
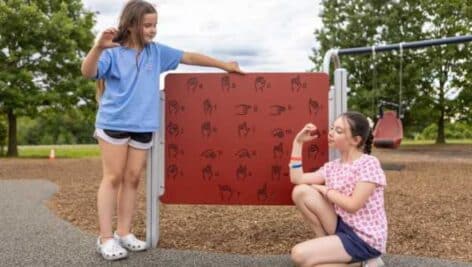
[{"x": 359, "y": 126}]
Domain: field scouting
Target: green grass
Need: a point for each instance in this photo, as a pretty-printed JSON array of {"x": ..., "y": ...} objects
[
  {"x": 84, "y": 151},
  {"x": 61, "y": 151},
  {"x": 432, "y": 142}
]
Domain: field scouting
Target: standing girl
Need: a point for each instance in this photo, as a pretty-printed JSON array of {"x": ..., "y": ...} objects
[
  {"x": 343, "y": 201},
  {"x": 129, "y": 63}
]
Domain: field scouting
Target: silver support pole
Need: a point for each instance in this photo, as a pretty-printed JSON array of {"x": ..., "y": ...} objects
[
  {"x": 155, "y": 181},
  {"x": 162, "y": 142},
  {"x": 331, "y": 54},
  {"x": 337, "y": 101}
]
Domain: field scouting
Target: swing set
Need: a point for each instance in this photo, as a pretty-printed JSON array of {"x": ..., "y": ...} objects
[{"x": 388, "y": 131}]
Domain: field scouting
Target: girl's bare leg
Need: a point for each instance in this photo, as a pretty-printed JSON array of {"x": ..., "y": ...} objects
[
  {"x": 113, "y": 165},
  {"x": 318, "y": 251},
  {"x": 135, "y": 165},
  {"x": 315, "y": 209}
]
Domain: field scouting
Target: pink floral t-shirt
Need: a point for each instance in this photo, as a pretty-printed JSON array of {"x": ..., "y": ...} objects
[{"x": 369, "y": 222}]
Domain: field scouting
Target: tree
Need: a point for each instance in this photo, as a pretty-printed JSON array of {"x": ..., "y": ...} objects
[
  {"x": 427, "y": 76},
  {"x": 447, "y": 65},
  {"x": 3, "y": 136},
  {"x": 41, "y": 46}
]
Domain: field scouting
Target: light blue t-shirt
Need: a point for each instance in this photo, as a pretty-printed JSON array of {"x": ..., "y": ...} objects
[{"x": 130, "y": 101}]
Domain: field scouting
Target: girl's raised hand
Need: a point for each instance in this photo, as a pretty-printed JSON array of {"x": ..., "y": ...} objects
[
  {"x": 308, "y": 133},
  {"x": 106, "y": 39},
  {"x": 233, "y": 66}
]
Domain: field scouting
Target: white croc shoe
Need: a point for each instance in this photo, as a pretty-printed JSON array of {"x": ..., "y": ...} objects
[
  {"x": 111, "y": 250},
  {"x": 130, "y": 242}
]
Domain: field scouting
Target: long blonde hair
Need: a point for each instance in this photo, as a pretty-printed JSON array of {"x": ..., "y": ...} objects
[{"x": 100, "y": 88}]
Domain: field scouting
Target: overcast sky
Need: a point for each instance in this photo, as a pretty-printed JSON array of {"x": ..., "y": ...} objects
[{"x": 263, "y": 35}]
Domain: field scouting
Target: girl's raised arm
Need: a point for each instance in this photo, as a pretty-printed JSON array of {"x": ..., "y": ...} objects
[
  {"x": 89, "y": 65},
  {"x": 297, "y": 176}
]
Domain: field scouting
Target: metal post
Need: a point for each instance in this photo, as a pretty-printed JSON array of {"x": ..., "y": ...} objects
[
  {"x": 155, "y": 181},
  {"x": 331, "y": 54},
  {"x": 162, "y": 136},
  {"x": 337, "y": 101}
]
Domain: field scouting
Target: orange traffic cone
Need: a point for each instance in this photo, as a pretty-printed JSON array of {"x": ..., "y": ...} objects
[{"x": 52, "y": 154}]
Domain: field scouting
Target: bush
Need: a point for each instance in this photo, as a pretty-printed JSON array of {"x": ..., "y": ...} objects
[
  {"x": 72, "y": 127},
  {"x": 456, "y": 130}
]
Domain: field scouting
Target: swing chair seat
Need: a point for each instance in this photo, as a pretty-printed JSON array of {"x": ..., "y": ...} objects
[{"x": 388, "y": 131}]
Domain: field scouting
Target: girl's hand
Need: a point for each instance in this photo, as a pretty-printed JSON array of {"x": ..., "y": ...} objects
[
  {"x": 308, "y": 133},
  {"x": 321, "y": 188},
  {"x": 233, "y": 66},
  {"x": 106, "y": 39}
]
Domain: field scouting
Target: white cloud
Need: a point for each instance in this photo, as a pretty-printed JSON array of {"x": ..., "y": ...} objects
[{"x": 263, "y": 36}]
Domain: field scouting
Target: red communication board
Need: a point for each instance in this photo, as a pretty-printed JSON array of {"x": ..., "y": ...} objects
[{"x": 229, "y": 136}]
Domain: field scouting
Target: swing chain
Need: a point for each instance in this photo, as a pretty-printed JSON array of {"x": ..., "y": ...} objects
[
  {"x": 400, "y": 111},
  {"x": 374, "y": 82}
]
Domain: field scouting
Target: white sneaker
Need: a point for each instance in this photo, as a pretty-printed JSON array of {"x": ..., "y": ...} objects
[
  {"x": 130, "y": 242},
  {"x": 375, "y": 262},
  {"x": 111, "y": 250}
]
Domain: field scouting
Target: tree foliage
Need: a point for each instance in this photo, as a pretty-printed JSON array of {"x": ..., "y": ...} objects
[
  {"x": 42, "y": 43},
  {"x": 436, "y": 88}
]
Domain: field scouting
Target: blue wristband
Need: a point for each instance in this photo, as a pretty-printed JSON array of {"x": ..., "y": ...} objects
[{"x": 296, "y": 166}]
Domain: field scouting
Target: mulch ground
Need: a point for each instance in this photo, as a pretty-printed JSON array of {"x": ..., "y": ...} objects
[{"x": 428, "y": 204}]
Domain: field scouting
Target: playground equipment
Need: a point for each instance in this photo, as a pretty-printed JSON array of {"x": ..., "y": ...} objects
[
  {"x": 226, "y": 139},
  {"x": 199, "y": 154},
  {"x": 388, "y": 131}
]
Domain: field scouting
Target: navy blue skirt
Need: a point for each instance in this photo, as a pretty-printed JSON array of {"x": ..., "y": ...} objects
[{"x": 357, "y": 248}]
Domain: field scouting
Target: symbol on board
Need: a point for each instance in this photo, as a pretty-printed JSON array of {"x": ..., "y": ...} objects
[
  {"x": 260, "y": 83},
  {"x": 208, "y": 107},
  {"x": 226, "y": 84},
  {"x": 208, "y": 173},
  {"x": 174, "y": 108},
  {"x": 211, "y": 154},
  {"x": 313, "y": 106},
  {"x": 173, "y": 129},
  {"x": 262, "y": 194},
  {"x": 313, "y": 150},
  {"x": 173, "y": 150},
  {"x": 280, "y": 133},
  {"x": 226, "y": 192},
  {"x": 277, "y": 110},
  {"x": 243, "y": 109},
  {"x": 278, "y": 150},
  {"x": 193, "y": 84},
  {"x": 276, "y": 172},
  {"x": 207, "y": 129},
  {"x": 173, "y": 171},
  {"x": 244, "y": 130},
  {"x": 245, "y": 153},
  {"x": 297, "y": 84},
  {"x": 242, "y": 172}
]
